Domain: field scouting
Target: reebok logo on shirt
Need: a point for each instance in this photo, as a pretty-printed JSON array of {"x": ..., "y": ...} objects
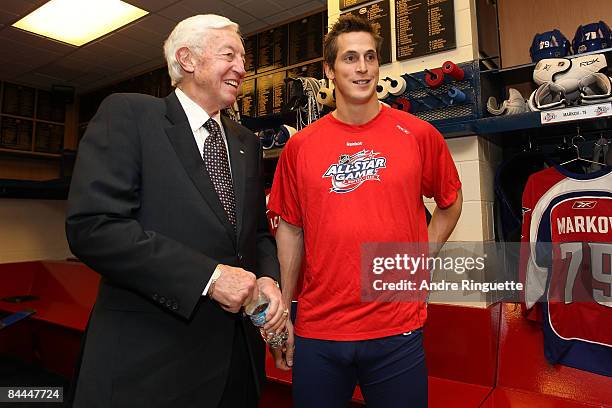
[
  {"x": 352, "y": 171},
  {"x": 584, "y": 205}
]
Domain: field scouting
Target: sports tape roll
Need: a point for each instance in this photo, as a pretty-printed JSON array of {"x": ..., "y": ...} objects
[
  {"x": 414, "y": 79},
  {"x": 403, "y": 104},
  {"x": 396, "y": 86},
  {"x": 456, "y": 95},
  {"x": 450, "y": 68},
  {"x": 325, "y": 96},
  {"x": 434, "y": 78},
  {"x": 382, "y": 90}
]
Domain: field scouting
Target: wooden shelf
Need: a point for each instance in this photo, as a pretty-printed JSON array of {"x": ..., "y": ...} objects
[
  {"x": 507, "y": 128},
  {"x": 272, "y": 153},
  {"x": 24, "y": 153}
]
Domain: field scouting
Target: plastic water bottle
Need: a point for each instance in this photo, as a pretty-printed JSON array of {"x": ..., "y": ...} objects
[{"x": 256, "y": 310}]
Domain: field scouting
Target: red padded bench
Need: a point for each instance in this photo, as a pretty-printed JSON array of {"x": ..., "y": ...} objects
[
  {"x": 526, "y": 379},
  {"x": 65, "y": 292},
  {"x": 461, "y": 352}
]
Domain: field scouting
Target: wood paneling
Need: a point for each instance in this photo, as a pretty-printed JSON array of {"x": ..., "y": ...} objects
[
  {"x": 520, "y": 20},
  {"x": 24, "y": 168}
]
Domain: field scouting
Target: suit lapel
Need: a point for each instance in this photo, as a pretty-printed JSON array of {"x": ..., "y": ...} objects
[
  {"x": 181, "y": 138},
  {"x": 237, "y": 151}
]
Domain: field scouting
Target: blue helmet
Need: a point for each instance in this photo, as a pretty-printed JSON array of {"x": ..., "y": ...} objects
[
  {"x": 267, "y": 138},
  {"x": 592, "y": 37},
  {"x": 551, "y": 44}
]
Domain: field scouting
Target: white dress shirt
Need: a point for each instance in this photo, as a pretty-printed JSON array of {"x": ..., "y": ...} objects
[{"x": 197, "y": 117}]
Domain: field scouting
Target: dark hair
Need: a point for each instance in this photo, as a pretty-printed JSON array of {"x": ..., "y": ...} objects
[{"x": 347, "y": 23}]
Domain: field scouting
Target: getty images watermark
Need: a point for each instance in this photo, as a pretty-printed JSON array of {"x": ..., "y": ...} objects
[{"x": 484, "y": 272}]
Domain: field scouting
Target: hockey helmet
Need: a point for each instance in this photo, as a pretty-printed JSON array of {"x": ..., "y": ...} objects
[
  {"x": 551, "y": 44},
  {"x": 592, "y": 37}
]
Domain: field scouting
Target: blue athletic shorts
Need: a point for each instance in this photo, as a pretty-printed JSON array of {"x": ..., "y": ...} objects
[{"x": 391, "y": 372}]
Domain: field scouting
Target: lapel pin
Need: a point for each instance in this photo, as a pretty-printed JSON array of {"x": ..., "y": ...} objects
[{"x": 242, "y": 152}]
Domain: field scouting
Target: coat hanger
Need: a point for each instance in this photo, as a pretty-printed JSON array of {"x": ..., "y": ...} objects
[
  {"x": 578, "y": 157},
  {"x": 528, "y": 147},
  {"x": 602, "y": 140},
  {"x": 563, "y": 145}
]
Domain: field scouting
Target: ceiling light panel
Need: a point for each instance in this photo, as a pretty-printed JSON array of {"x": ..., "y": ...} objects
[{"x": 78, "y": 22}]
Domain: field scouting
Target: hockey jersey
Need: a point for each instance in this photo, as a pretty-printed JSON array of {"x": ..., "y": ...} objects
[
  {"x": 273, "y": 219},
  {"x": 565, "y": 264}
]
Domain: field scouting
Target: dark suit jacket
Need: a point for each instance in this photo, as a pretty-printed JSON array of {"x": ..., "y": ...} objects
[{"x": 143, "y": 213}]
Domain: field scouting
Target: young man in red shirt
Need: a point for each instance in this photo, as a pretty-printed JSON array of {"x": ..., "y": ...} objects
[{"x": 356, "y": 176}]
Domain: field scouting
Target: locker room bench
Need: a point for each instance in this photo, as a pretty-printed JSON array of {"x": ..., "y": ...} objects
[
  {"x": 65, "y": 292},
  {"x": 526, "y": 379}
]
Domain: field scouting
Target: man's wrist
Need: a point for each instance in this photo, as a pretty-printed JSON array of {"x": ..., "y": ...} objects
[
  {"x": 213, "y": 279},
  {"x": 272, "y": 279}
]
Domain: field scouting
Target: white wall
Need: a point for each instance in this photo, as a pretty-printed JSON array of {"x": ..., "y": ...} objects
[
  {"x": 476, "y": 159},
  {"x": 32, "y": 230}
]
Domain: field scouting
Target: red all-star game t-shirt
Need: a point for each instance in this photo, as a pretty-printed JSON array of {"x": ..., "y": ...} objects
[{"x": 345, "y": 185}]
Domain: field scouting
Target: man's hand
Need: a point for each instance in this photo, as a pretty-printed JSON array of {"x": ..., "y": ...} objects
[
  {"x": 277, "y": 313},
  {"x": 283, "y": 356},
  {"x": 234, "y": 288}
]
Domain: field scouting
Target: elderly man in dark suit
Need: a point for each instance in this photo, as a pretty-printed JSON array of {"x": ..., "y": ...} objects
[{"x": 167, "y": 205}]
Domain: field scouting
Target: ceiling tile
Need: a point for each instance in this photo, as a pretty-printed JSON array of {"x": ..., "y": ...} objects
[
  {"x": 278, "y": 18},
  {"x": 259, "y": 8},
  {"x": 307, "y": 5},
  {"x": 86, "y": 84},
  {"x": 256, "y": 25},
  {"x": 88, "y": 81},
  {"x": 144, "y": 36},
  {"x": 177, "y": 12},
  {"x": 36, "y": 80},
  {"x": 7, "y": 48},
  {"x": 8, "y": 17},
  {"x": 62, "y": 70},
  {"x": 86, "y": 65},
  {"x": 306, "y": 8},
  {"x": 127, "y": 44},
  {"x": 25, "y": 54},
  {"x": 145, "y": 67},
  {"x": 35, "y": 41},
  {"x": 10, "y": 70},
  {"x": 43, "y": 81},
  {"x": 235, "y": 14},
  {"x": 98, "y": 49},
  {"x": 157, "y": 24},
  {"x": 19, "y": 7},
  {"x": 122, "y": 61},
  {"x": 152, "y": 31},
  {"x": 151, "y": 5},
  {"x": 237, "y": 3},
  {"x": 83, "y": 65},
  {"x": 200, "y": 6}
]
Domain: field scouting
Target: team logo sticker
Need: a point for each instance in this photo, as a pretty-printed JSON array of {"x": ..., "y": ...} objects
[{"x": 352, "y": 171}]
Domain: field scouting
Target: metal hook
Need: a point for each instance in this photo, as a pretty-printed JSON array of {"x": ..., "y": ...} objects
[{"x": 579, "y": 136}]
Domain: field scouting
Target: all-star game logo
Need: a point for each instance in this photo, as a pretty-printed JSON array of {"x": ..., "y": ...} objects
[{"x": 351, "y": 171}]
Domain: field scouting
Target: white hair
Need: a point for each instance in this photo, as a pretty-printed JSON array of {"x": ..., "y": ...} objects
[{"x": 191, "y": 33}]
